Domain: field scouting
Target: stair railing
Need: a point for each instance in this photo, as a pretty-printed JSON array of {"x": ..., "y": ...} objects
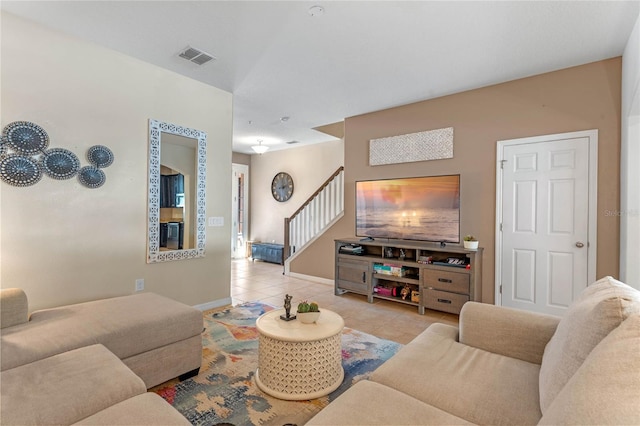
[{"x": 315, "y": 215}]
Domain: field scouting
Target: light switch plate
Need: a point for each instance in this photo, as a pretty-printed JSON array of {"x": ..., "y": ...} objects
[
  {"x": 216, "y": 221},
  {"x": 140, "y": 284}
]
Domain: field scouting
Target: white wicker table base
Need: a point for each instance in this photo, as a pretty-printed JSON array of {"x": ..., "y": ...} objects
[{"x": 292, "y": 368}]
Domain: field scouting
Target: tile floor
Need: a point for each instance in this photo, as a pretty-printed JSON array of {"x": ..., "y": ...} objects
[{"x": 262, "y": 281}]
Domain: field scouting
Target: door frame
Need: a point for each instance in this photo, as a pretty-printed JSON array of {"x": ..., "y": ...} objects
[
  {"x": 241, "y": 168},
  {"x": 592, "y": 214}
]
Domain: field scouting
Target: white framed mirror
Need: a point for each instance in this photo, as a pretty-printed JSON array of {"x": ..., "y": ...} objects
[{"x": 177, "y": 192}]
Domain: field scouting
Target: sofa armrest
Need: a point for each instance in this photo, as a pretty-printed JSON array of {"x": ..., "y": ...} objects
[
  {"x": 14, "y": 308},
  {"x": 505, "y": 331}
]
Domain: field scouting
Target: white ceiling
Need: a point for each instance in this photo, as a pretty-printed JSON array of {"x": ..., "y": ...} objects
[{"x": 358, "y": 57}]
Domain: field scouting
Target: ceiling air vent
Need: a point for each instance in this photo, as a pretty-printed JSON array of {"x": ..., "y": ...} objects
[{"x": 196, "y": 56}]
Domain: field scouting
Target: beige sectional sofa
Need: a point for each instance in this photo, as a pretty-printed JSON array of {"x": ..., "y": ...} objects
[
  {"x": 92, "y": 363},
  {"x": 505, "y": 366}
]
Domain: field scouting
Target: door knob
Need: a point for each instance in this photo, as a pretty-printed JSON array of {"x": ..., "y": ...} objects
[{"x": 579, "y": 244}]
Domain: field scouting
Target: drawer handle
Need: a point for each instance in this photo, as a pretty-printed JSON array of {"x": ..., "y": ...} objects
[
  {"x": 444, "y": 301},
  {"x": 445, "y": 280},
  {"x": 364, "y": 277}
]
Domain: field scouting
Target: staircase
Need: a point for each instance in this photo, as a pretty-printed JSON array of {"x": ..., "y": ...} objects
[{"x": 316, "y": 215}]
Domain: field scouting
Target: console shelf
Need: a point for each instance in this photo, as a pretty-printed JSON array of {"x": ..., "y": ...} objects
[{"x": 432, "y": 277}]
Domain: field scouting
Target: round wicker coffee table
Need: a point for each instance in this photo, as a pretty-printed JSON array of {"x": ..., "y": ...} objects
[{"x": 299, "y": 361}]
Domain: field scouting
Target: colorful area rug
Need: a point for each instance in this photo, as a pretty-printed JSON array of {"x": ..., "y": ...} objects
[{"x": 225, "y": 391}]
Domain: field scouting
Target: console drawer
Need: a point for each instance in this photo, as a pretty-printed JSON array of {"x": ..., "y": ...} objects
[
  {"x": 353, "y": 286},
  {"x": 444, "y": 280},
  {"x": 444, "y": 301}
]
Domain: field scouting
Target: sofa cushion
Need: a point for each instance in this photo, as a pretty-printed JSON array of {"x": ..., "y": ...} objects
[
  {"x": 14, "y": 308},
  {"x": 127, "y": 326},
  {"x": 600, "y": 308},
  {"x": 148, "y": 409},
  {"x": 606, "y": 387},
  {"x": 66, "y": 388},
  {"x": 476, "y": 385},
  {"x": 512, "y": 332},
  {"x": 370, "y": 403}
]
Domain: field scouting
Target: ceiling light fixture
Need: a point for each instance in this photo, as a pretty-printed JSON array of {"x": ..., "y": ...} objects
[
  {"x": 316, "y": 11},
  {"x": 260, "y": 149}
]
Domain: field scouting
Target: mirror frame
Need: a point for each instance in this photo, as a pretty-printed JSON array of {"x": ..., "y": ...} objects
[{"x": 154, "y": 255}]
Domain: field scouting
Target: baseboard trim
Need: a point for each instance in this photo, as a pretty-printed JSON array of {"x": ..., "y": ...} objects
[
  {"x": 214, "y": 304},
  {"x": 319, "y": 280}
]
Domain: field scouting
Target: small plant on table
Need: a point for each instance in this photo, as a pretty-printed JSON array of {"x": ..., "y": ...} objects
[
  {"x": 470, "y": 242},
  {"x": 305, "y": 306},
  {"x": 308, "y": 312}
]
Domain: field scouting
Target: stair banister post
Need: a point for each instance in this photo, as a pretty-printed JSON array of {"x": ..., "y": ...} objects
[{"x": 287, "y": 247}]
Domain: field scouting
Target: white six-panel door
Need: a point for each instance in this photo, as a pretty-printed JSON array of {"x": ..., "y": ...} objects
[{"x": 545, "y": 235}]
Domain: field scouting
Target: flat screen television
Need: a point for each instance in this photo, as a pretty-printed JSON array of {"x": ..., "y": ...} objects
[{"x": 416, "y": 208}]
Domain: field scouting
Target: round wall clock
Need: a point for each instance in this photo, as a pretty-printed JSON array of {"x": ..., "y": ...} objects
[{"x": 282, "y": 187}]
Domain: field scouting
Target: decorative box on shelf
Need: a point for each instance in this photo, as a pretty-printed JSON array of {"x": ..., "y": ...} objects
[
  {"x": 383, "y": 291},
  {"x": 389, "y": 269}
]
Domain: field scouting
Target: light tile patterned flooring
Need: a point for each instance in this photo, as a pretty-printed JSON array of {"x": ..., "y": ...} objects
[{"x": 262, "y": 281}]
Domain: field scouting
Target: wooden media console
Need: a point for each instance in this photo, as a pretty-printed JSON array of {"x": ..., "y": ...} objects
[{"x": 421, "y": 274}]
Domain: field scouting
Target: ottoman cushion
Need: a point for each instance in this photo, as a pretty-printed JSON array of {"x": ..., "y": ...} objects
[{"x": 148, "y": 409}]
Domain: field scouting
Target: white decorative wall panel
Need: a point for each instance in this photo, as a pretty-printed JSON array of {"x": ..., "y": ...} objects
[{"x": 422, "y": 146}]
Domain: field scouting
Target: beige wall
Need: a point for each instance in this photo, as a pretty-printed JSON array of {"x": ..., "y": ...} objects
[
  {"x": 65, "y": 243},
  {"x": 239, "y": 158},
  {"x": 309, "y": 166},
  {"x": 580, "y": 98}
]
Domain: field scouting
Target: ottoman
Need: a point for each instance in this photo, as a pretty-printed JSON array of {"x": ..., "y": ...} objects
[
  {"x": 66, "y": 388},
  {"x": 148, "y": 409}
]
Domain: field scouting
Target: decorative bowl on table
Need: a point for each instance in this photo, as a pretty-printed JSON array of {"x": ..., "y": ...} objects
[
  {"x": 308, "y": 317},
  {"x": 308, "y": 313}
]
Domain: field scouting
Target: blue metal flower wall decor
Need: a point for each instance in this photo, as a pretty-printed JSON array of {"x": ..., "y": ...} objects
[{"x": 25, "y": 157}]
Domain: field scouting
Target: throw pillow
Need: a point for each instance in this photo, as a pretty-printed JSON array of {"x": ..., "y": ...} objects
[
  {"x": 606, "y": 388},
  {"x": 600, "y": 308}
]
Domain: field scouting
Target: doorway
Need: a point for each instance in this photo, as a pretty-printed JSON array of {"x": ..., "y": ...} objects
[
  {"x": 239, "y": 213},
  {"x": 545, "y": 220}
]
